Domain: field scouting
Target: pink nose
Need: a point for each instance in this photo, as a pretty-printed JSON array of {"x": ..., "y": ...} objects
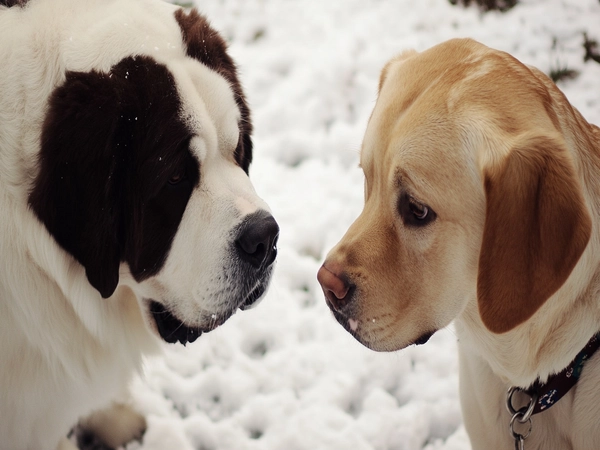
[{"x": 335, "y": 288}]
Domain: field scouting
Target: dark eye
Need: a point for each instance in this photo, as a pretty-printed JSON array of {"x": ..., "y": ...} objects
[
  {"x": 419, "y": 211},
  {"x": 415, "y": 213},
  {"x": 177, "y": 178}
]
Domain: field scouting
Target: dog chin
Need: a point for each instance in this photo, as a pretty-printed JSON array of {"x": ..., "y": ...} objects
[
  {"x": 366, "y": 338},
  {"x": 171, "y": 329}
]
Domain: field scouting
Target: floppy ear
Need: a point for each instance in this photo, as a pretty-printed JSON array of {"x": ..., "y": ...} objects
[
  {"x": 77, "y": 191},
  {"x": 204, "y": 44},
  {"x": 536, "y": 228}
]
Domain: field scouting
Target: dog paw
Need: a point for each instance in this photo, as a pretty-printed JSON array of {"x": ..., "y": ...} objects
[
  {"x": 110, "y": 428},
  {"x": 87, "y": 440}
]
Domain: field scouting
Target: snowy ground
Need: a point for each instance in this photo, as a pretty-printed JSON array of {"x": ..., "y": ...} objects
[{"x": 286, "y": 376}]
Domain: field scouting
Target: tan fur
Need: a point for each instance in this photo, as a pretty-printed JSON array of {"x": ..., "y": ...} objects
[{"x": 512, "y": 172}]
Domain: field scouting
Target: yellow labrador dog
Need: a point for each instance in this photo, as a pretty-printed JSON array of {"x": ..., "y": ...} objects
[{"x": 482, "y": 199}]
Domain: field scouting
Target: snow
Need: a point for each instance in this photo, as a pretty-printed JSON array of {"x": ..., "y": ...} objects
[{"x": 285, "y": 375}]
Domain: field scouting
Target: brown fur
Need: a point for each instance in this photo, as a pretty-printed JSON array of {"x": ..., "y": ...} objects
[
  {"x": 11, "y": 3},
  {"x": 536, "y": 228},
  {"x": 207, "y": 46}
]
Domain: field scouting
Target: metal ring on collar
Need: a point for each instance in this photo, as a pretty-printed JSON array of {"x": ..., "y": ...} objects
[
  {"x": 519, "y": 436},
  {"x": 526, "y": 411}
]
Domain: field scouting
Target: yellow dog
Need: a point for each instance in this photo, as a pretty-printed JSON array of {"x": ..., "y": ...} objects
[{"x": 482, "y": 192}]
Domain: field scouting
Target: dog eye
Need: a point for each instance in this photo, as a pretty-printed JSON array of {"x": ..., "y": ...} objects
[
  {"x": 177, "y": 178},
  {"x": 414, "y": 213},
  {"x": 419, "y": 211}
]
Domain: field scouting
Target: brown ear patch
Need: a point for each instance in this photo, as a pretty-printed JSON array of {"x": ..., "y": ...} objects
[
  {"x": 536, "y": 228},
  {"x": 11, "y": 3},
  {"x": 206, "y": 45}
]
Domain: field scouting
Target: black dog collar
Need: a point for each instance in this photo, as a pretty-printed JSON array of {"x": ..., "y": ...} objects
[{"x": 548, "y": 393}]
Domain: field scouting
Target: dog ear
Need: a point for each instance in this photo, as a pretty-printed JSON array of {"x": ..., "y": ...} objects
[
  {"x": 536, "y": 228},
  {"x": 77, "y": 191},
  {"x": 204, "y": 44}
]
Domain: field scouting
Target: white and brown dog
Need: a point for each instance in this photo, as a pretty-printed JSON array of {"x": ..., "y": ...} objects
[
  {"x": 126, "y": 208},
  {"x": 482, "y": 201}
]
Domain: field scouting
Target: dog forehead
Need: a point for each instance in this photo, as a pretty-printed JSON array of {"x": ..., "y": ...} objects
[
  {"x": 413, "y": 135},
  {"x": 103, "y": 35},
  {"x": 454, "y": 95},
  {"x": 406, "y": 80},
  {"x": 208, "y": 106}
]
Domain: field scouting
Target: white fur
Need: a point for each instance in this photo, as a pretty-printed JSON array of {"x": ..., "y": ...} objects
[{"x": 64, "y": 350}]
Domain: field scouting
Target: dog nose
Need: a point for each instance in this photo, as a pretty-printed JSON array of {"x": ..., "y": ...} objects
[
  {"x": 335, "y": 287},
  {"x": 257, "y": 240}
]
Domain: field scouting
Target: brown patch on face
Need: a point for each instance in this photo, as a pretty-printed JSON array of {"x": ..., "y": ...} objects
[
  {"x": 537, "y": 226},
  {"x": 206, "y": 45},
  {"x": 123, "y": 198},
  {"x": 11, "y": 3}
]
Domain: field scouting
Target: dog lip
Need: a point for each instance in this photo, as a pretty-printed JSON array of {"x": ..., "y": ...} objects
[
  {"x": 424, "y": 338},
  {"x": 349, "y": 324},
  {"x": 353, "y": 325},
  {"x": 173, "y": 330},
  {"x": 251, "y": 300}
]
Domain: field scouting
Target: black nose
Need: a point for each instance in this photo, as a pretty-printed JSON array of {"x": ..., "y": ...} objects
[{"x": 257, "y": 239}]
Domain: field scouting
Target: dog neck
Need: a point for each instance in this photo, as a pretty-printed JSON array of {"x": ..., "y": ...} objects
[
  {"x": 545, "y": 395},
  {"x": 550, "y": 340}
]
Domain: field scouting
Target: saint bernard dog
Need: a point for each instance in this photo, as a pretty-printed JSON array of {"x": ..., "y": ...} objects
[{"x": 127, "y": 214}]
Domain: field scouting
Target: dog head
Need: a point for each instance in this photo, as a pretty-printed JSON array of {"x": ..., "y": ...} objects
[
  {"x": 143, "y": 169},
  {"x": 471, "y": 194}
]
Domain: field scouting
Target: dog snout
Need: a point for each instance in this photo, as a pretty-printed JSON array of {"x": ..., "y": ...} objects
[
  {"x": 256, "y": 243},
  {"x": 336, "y": 287}
]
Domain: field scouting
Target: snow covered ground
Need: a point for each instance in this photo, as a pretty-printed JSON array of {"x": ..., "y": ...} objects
[{"x": 286, "y": 376}]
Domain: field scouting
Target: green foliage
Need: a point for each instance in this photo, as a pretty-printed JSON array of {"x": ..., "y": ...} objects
[
  {"x": 562, "y": 73},
  {"x": 591, "y": 49}
]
